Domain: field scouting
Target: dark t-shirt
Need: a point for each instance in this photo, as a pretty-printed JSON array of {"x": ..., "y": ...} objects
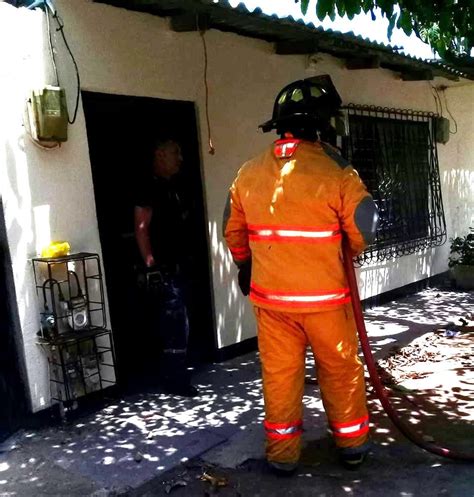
[{"x": 169, "y": 227}]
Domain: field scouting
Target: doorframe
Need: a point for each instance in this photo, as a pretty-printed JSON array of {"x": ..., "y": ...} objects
[
  {"x": 198, "y": 133},
  {"x": 22, "y": 397},
  {"x": 195, "y": 128}
]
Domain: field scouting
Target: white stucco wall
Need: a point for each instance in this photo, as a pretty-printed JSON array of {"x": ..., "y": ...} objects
[
  {"x": 457, "y": 159},
  {"x": 49, "y": 195}
]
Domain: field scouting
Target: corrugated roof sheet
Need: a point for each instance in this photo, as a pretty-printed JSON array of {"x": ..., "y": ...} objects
[{"x": 291, "y": 31}]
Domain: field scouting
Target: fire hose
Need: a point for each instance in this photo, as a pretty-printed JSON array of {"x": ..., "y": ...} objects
[{"x": 380, "y": 390}]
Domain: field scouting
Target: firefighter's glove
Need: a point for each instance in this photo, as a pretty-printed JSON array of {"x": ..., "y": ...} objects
[{"x": 245, "y": 272}]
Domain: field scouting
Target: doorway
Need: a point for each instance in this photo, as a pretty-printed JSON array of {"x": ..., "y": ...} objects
[
  {"x": 121, "y": 130},
  {"x": 13, "y": 402}
]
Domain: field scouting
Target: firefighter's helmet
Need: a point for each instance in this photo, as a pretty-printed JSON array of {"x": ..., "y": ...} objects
[{"x": 312, "y": 101}]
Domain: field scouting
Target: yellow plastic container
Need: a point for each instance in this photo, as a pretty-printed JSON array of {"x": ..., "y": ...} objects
[{"x": 56, "y": 249}]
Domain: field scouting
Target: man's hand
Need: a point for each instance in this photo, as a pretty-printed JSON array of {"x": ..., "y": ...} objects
[{"x": 245, "y": 273}]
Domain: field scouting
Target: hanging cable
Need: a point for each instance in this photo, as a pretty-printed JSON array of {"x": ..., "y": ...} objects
[
  {"x": 60, "y": 28},
  {"x": 434, "y": 98},
  {"x": 51, "y": 48},
  {"x": 202, "y": 33},
  {"x": 450, "y": 115},
  {"x": 436, "y": 103},
  {"x": 437, "y": 100},
  {"x": 48, "y": 6}
]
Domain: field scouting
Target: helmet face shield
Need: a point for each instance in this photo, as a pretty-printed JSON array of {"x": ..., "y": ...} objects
[{"x": 313, "y": 99}]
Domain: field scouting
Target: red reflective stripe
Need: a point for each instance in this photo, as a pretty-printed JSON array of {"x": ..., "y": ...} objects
[
  {"x": 277, "y": 436},
  {"x": 286, "y": 148},
  {"x": 240, "y": 257},
  {"x": 299, "y": 299},
  {"x": 350, "y": 423},
  {"x": 353, "y": 434},
  {"x": 266, "y": 291},
  {"x": 361, "y": 426},
  {"x": 240, "y": 253},
  {"x": 294, "y": 239},
  {"x": 298, "y": 305},
  {"x": 273, "y": 227},
  {"x": 238, "y": 250},
  {"x": 282, "y": 426},
  {"x": 282, "y": 141},
  {"x": 314, "y": 234},
  {"x": 295, "y": 429}
]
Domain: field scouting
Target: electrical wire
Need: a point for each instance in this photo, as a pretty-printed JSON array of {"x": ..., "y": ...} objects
[
  {"x": 202, "y": 34},
  {"x": 47, "y": 7},
  {"x": 437, "y": 100},
  {"x": 450, "y": 115},
  {"x": 50, "y": 43},
  {"x": 434, "y": 98},
  {"x": 436, "y": 103},
  {"x": 60, "y": 28}
]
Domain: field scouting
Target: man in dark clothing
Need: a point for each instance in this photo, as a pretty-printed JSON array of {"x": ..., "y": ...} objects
[{"x": 161, "y": 223}]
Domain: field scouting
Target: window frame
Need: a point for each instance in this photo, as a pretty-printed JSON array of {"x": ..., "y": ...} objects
[{"x": 371, "y": 135}]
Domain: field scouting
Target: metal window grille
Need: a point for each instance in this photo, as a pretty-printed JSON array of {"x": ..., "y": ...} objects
[{"x": 395, "y": 153}]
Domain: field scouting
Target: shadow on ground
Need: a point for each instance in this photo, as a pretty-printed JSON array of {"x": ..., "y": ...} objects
[{"x": 139, "y": 444}]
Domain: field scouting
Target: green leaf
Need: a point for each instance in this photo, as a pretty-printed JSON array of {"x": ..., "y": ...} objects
[
  {"x": 405, "y": 22},
  {"x": 386, "y": 6},
  {"x": 391, "y": 25},
  {"x": 353, "y": 7},
  {"x": 304, "y": 6},
  {"x": 367, "y": 5},
  {"x": 324, "y": 8},
  {"x": 389, "y": 10},
  {"x": 447, "y": 25},
  {"x": 445, "y": 21},
  {"x": 341, "y": 7}
]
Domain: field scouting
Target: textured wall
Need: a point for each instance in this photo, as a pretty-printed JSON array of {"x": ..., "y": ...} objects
[{"x": 49, "y": 195}]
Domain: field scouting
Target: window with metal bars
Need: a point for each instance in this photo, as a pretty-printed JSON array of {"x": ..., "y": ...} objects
[{"x": 395, "y": 153}]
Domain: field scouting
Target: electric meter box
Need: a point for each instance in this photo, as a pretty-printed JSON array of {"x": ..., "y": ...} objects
[
  {"x": 49, "y": 114},
  {"x": 442, "y": 130}
]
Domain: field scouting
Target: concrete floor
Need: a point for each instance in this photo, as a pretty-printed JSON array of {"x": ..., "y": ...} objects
[{"x": 151, "y": 443}]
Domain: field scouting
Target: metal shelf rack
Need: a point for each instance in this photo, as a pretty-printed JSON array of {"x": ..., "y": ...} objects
[{"x": 73, "y": 332}]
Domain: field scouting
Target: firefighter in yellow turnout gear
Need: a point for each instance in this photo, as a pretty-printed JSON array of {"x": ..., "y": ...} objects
[{"x": 287, "y": 212}]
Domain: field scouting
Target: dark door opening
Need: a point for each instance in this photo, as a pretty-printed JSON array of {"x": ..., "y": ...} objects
[
  {"x": 13, "y": 403},
  {"x": 120, "y": 132}
]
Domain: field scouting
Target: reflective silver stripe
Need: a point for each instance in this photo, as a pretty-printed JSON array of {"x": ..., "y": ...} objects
[
  {"x": 293, "y": 233},
  {"x": 175, "y": 351},
  {"x": 302, "y": 298},
  {"x": 284, "y": 431},
  {"x": 287, "y": 145},
  {"x": 353, "y": 428}
]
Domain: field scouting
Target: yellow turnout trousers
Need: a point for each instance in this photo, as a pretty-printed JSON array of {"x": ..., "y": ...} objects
[{"x": 282, "y": 340}]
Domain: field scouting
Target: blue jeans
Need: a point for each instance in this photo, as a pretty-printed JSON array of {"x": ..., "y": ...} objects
[{"x": 169, "y": 317}]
